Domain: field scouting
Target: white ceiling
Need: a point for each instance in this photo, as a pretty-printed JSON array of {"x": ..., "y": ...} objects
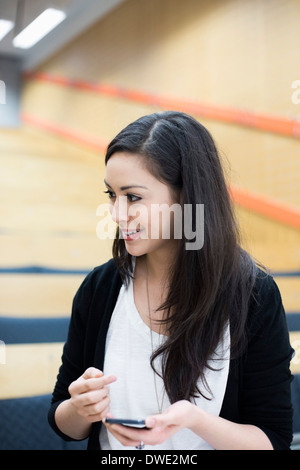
[{"x": 80, "y": 15}]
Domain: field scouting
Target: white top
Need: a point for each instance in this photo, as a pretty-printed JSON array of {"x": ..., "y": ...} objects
[{"x": 127, "y": 355}]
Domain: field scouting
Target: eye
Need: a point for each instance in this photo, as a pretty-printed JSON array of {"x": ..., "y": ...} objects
[
  {"x": 133, "y": 198},
  {"x": 111, "y": 195}
]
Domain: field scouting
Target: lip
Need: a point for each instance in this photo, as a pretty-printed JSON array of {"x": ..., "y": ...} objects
[{"x": 131, "y": 236}]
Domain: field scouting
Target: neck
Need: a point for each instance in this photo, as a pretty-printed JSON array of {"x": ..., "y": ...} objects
[{"x": 159, "y": 264}]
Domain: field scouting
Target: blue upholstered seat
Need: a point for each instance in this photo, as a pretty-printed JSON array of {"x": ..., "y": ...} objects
[
  {"x": 21, "y": 330},
  {"x": 24, "y": 421},
  {"x": 24, "y": 426}
]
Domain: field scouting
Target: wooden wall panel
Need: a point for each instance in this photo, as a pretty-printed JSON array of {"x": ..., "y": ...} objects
[
  {"x": 50, "y": 191},
  {"x": 229, "y": 52},
  {"x": 38, "y": 295},
  {"x": 238, "y": 53},
  {"x": 30, "y": 369},
  {"x": 234, "y": 52}
]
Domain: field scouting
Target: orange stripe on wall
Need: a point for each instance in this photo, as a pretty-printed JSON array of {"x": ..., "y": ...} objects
[
  {"x": 263, "y": 122},
  {"x": 77, "y": 137},
  {"x": 259, "y": 204}
]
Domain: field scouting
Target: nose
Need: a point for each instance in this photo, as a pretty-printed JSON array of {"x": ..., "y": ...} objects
[{"x": 120, "y": 211}]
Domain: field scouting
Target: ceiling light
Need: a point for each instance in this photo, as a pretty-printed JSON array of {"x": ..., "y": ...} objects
[
  {"x": 5, "y": 27},
  {"x": 39, "y": 27}
]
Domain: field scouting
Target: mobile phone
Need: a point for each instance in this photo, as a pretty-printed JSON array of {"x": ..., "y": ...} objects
[{"x": 136, "y": 423}]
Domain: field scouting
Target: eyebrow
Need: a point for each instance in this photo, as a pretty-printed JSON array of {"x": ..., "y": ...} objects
[{"x": 123, "y": 188}]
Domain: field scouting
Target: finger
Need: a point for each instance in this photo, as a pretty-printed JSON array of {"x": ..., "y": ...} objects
[
  {"x": 90, "y": 398},
  {"x": 128, "y": 432},
  {"x": 97, "y": 383},
  {"x": 92, "y": 372},
  {"x": 108, "y": 415},
  {"x": 95, "y": 412},
  {"x": 120, "y": 433},
  {"x": 97, "y": 408}
]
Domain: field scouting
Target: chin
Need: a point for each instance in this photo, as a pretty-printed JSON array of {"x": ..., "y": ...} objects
[
  {"x": 135, "y": 249},
  {"x": 144, "y": 247}
]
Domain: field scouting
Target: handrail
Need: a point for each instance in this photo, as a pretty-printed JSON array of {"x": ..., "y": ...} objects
[
  {"x": 260, "y": 121},
  {"x": 36, "y": 269},
  {"x": 48, "y": 270}
]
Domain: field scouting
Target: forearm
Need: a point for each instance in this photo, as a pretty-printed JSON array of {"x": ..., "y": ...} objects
[
  {"x": 222, "y": 434},
  {"x": 70, "y": 422}
]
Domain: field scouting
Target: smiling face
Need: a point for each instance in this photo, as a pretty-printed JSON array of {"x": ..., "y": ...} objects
[{"x": 135, "y": 198}]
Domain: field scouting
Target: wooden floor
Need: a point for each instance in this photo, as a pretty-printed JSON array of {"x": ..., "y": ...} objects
[{"x": 50, "y": 191}]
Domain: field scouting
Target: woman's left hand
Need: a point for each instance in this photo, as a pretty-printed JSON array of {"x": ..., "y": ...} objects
[{"x": 160, "y": 427}]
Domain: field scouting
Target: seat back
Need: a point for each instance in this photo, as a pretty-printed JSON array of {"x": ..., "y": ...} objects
[
  {"x": 293, "y": 322},
  {"x": 33, "y": 348},
  {"x": 24, "y": 426}
]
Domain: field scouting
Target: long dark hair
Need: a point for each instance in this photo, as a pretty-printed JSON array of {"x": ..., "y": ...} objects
[{"x": 210, "y": 287}]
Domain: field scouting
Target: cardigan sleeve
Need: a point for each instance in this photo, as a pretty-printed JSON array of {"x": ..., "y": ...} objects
[
  {"x": 91, "y": 311},
  {"x": 72, "y": 365},
  {"x": 265, "y": 400}
]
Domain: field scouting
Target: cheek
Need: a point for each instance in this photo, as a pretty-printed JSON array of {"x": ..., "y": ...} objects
[
  {"x": 154, "y": 222},
  {"x": 162, "y": 220},
  {"x": 110, "y": 207},
  {"x": 139, "y": 216},
  {"x": 152, "y": 219}
]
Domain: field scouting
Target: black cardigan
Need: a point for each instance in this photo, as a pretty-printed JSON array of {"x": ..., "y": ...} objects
[{"x": 258, "y": 387}]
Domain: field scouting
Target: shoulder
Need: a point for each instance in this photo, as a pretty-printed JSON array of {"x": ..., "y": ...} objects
[
  {"x": 102, "y": 279},
  {"x": 104, "y": 273},
  {"x": 266, "y": 306},
  {"x": 96, "y": 296},
  {"x": 265, "y": 289}
]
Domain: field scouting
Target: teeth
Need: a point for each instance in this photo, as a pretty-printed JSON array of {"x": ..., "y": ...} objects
[{"x": 133, "y": 232}]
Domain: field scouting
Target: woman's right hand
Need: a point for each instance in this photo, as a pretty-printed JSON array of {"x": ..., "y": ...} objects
[{"x": 89, "y": 394}]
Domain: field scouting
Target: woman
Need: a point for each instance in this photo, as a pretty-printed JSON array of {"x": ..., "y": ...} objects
[{"x": 191, "y": 338}]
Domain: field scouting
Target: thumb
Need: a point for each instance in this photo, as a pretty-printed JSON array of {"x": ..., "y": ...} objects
[
  {"x": 91, "y": 373},
  {"x": 163, "y": 419},
  {"x": 154, "y": 421},
  {"x": 150, "y": 422}
]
